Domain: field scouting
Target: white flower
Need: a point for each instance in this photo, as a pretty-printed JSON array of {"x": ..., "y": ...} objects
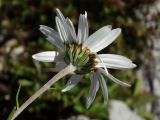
[{"x": 81, "y": 51}]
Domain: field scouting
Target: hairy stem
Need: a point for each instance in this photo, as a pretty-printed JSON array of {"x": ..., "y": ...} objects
[{"x": 62, "y": 73}]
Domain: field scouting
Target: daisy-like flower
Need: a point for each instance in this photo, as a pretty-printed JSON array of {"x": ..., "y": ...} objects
[
  {"x": 77, "y": 54},
  {"x": 81, "y": 51}
]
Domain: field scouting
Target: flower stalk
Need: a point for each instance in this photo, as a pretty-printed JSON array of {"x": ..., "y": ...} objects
[{"x": 69, "y": 69}]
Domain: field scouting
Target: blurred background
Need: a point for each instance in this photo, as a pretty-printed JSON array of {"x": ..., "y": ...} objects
[{"x": 140, "y": 41}]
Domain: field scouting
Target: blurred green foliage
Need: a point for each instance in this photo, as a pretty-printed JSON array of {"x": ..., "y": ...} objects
[{"x": 20, "y": 23}]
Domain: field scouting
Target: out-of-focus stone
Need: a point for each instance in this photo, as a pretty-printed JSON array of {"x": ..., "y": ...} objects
[
  {"x": 120, "y": 111},
  {"x": 17, "y": 51},
  {"x": 9, "y": 45},
  {"x": 80, "y": 117}
]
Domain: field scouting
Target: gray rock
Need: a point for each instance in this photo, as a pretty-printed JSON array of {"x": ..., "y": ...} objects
[
  {"x": 120, "y": 111},
  {"x": 79, "y": 117}
]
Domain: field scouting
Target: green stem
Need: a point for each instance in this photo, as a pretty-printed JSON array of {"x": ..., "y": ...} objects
[
  {"x": 62, "y": 73},
  {"x": 17, "y": 96}
]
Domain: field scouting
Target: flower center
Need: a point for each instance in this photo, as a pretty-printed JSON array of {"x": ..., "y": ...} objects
[{"x": 84, "y": 61}]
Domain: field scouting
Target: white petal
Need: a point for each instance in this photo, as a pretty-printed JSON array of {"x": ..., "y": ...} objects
[
  {"x": 79, "y": 35},
  {"x": 48, "y": 56},
  {"x": 106, "y": 40},
  {"x": 118, "y": 81},
  {"x": 114, "y": 79},
  {"x": 85, "y": 29},
  {"x": 93, "y": 89},
  {"x": 72, "y": 82},
  {"x": 82, "y": 28},
  {"x": 85, "y": 14},
  {"x": 114, "y": 56},
  {"x": 95, "y": 38},
  {"x": 60, "y": 16},
  {"x": 61, "y": 30},
  {"x": 116, "y": 61},
  {"x": 49, "y": 29},
  {"x": 52, "y": 36},
  {"x": 71, "y": 29},
  {"x": 103, "y": 87}
]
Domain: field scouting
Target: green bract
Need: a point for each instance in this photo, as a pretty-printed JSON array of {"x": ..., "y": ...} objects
[{"x": 84, "y": 61}]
